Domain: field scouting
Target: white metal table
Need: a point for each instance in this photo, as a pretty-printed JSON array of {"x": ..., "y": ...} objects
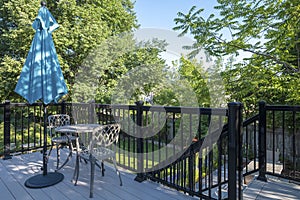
[
  {"x": 82, "y": 133},
  {"x": 77, "y": 128}
]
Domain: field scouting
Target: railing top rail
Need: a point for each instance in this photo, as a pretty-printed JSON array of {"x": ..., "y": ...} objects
[
  {"x": 282, "y": 107},
  {"x": 251, "y": 120},
  {"x": 174, "y": 109}
]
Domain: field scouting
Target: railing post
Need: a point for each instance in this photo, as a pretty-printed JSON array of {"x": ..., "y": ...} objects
[
  {"x": 140, "y": 143},
  {"x": 191, "y": 164},
  {"x": 7, "y": 112},
  {"x": 262, "y": 141},
  {"x": 235, "y": 157},
  {"x": 91, "y": 112},
  {"x": 63, "y": 107}
]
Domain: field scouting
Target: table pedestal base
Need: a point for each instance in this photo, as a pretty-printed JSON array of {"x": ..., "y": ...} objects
[{"x": 41, "y": 181}]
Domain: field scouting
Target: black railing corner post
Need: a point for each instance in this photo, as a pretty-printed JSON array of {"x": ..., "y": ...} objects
[
  {"x": 63, "y": 107},
  {"x": 7, "y": 112},
  {"x": 235, "y": 157},
  {"x": 140, "y": 143},
  {"x": 262, "y": 148}
]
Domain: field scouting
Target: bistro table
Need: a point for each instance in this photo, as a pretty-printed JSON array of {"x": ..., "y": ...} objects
[
  {"x": 82, "y": 133},
  {"x": 77, "y": 128}
]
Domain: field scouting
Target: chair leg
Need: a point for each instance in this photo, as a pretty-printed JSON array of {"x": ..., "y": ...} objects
[
  {"x": 52, "y": 144},
  {"x": 118, "y": 172},
  {"x": 98, "y": 165},
  {"x": 76, "y": 172},
  {"x": 49, "y": 153},
  {"x": 68, "y": 157},
  {"x": 84, "y": 160},
  {"x": 57, "y": 155},
  {"x": 93, "y": 163},
  {"x": 102, "y": 168}
]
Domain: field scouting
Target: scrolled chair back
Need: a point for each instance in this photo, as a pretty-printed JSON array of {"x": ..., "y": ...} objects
[
  {"x": 58, "y": 120},
  {"x": 106, "y": 135}
]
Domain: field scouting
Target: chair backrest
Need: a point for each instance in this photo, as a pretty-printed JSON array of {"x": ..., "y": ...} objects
[
  {"x": 106, "y": 135},
  {"x": 57, "y": 120}
]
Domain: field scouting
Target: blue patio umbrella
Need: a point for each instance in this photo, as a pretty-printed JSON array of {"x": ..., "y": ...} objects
[{"x": 42, "y": 79}]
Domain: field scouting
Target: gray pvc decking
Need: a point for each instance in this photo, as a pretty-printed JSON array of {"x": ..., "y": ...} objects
[
  {"x": 14, "y": 172},
  {"x": 274, "y": 188}
]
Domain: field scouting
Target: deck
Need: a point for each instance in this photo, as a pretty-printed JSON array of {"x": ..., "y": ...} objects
[
  {"x": 14, "y": 172},
  {"x": 274, "y": 188}
]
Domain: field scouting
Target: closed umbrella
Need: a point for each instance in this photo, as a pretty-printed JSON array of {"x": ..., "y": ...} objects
[{"x": 42, "y": 79}]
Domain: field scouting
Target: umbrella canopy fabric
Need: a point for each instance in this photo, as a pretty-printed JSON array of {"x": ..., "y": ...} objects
[{"x": 41, "y": 77}]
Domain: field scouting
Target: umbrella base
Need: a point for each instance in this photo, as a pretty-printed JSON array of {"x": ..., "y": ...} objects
[{"x": 41, "y": 181}]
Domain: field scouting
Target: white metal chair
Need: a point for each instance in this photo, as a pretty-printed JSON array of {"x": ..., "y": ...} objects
[
  {"x": 97, "y": 150},
  {"x": 58, "y": 140}
]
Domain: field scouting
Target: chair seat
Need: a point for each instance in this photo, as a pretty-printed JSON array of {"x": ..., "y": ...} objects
[
  {"x": 100, "y": 153},
  {"x": 103, "y": 153}
]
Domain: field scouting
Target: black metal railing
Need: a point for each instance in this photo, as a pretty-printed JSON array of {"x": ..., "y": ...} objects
[
  {"x": 202, "y": 168},
  {"x": 196, "y": 163},
  {"x": 189, "y": 149},
  {"x": 21, "y": 126},
  {"x": 280, "y": 135},
  {"x": 250, "y": 145}
]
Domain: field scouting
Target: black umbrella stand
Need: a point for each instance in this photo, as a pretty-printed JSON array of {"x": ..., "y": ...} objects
[{"x": 47, "y": 178}]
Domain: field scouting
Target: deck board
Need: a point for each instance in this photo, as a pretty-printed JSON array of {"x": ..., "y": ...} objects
[
  {"x": 4, "y": 191},
  {"x": 20, "y": 170},
  {"x": 11, "y": 178},
  {"x": 14, "y": 172}
]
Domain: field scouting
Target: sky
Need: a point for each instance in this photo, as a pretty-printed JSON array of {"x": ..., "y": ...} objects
[
  {"x": 161, "y": 13},
  {"x": 156, "y": 19}
]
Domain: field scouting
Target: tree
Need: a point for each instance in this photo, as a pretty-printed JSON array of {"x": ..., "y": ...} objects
[
  {"x": 197, "y": 77},
  {"x": 83, "y": 25},
  {"x": 121, "y": 67},
  {"x": 267, "y": 29}
]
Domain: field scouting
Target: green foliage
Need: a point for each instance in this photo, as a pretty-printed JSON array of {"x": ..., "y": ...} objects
[
  {"x": 252, "y": 82},
  {"x": 197, "y": 78},
  {"x": 119, "y": 66},
  {"x": 145, "y": 71},
  {"x": 83, "y": 26},
  {"x": 167, "y": 97},
  {"x": 9, "y": 70},
  {"x": 207, "y": 84},
  {"x": 268, "y": 30},
  {"x": 21, "y": 138},
  {"x": 260, "y": 27}
]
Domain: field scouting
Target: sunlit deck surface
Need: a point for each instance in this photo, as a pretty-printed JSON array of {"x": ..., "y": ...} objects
[
  {"x": 14, "y": 172},
  {"x": 274, "y": 188}
]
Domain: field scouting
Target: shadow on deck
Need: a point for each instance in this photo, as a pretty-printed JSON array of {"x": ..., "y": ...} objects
[{"x": 14, "y": 172}]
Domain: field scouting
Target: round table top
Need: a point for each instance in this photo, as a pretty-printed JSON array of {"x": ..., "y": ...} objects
[{"x": 77, "y": 128}]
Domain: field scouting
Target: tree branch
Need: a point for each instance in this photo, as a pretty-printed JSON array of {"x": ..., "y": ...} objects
[{"x": 278, "y": 61}]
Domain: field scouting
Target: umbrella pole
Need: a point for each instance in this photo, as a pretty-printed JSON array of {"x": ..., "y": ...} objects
[
  {"x": 45, "y": 159},
  {"x": 47, "y": 178}
]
